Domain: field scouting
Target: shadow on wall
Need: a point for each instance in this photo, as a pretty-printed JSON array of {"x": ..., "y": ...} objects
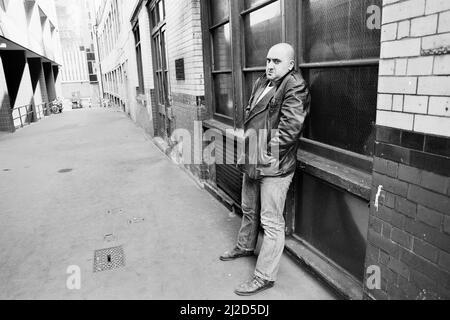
[
  {"x": 6, "y": 123},
  {"x": 14, "y": 67}
]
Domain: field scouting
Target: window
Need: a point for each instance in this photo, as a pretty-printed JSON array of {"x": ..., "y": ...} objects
[
  {"x": 157, "y": 13},
  {"x": 237, "y": 64},
  {"x": 336, "y": 52},
  {"x": 221, "y": 59},
  {"x": 262, "y": 30},
  {"x": 137, "y": 39},
  {"x": 339, "y": 59}
]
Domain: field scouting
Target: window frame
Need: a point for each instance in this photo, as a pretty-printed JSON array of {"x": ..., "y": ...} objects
[
  {"x": 346, "y": 157},
  {"x": 292, "y": 15},
  {"x": 139, "y": 64},
  {"x": 162, "y": 91},
  {"x": 237, "y": 13}
]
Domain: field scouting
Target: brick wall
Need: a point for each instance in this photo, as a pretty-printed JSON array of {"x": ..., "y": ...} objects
[
  {"x": 184, "y": 40},
  {"x": 409, "y": 232}
]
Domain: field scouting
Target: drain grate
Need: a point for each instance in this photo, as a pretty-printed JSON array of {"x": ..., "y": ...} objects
[{"x": 109, "y": 259}]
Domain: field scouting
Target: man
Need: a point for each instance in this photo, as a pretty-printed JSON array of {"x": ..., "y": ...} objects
[{"x": 279, "y": 101}]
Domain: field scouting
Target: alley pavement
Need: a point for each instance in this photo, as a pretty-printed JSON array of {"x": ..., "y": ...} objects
[{"x": 90, "y": 179}]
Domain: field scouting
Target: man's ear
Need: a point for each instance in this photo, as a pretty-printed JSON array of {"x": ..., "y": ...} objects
[{"x": 292, "y": 65}]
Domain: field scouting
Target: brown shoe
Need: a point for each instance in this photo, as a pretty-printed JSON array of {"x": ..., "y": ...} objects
[
  {"x": 235, "y": 254},
  {"x": 253, "y": 286}
]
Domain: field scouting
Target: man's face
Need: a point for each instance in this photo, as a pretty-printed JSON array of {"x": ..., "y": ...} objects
[{"x": 278, "y": 64}]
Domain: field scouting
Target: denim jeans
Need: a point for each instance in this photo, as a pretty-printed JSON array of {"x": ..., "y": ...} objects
[{"x": 264, "y": 200}]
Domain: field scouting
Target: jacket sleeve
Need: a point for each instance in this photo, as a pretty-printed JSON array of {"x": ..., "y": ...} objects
[
  {"x": 294, "y": 109},
  {"x": 249, "y": 102}
]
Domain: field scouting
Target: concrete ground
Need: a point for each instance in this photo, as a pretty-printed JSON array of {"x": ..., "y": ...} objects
[{"x": 73, "y": 178}]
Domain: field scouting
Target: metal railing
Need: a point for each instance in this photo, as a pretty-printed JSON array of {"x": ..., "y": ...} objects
[{"x": 23, "y": 116}]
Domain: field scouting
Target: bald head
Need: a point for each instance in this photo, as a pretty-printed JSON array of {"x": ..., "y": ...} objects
[
  {"x": 280, "y": 61},
  {"x": 285, "y": 48}
]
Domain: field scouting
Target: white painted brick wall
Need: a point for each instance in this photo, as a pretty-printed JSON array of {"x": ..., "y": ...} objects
[
  {"x": 416, "y": 104},
  {"x": 400, "y": 67},
  {"x": 424, "y": 25},
  {"x": 384, "y": 102},
  {"x": 398, "y": 120},
  {"x": 387, "y": 67},
  {"x": 397, "y": 102},
  {"x": 389, "y": 32},
  {"x": 420, "y": 66},
  {"x": 439, "y": 106},
  {"x": 404, "y": 28},
  {"x": 434, "y": 86},
  {"x": 400, "y": 85},
  {"x": 436, "y": 41},
  {"x": 403, "y": 10},
  {"x": 434, "y": 6},
  {"x": 414, "y": 87},
  {"x": 184, "y": 40},
  {"x": 401, "y": 48},
  {"x": 444, "y": 22},
  {"x": 442, "y": 65},
  {"x": 432, "y": 125}
]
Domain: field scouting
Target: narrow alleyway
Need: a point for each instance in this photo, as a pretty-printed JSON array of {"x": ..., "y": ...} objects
[{"x": 72, "y": 179}]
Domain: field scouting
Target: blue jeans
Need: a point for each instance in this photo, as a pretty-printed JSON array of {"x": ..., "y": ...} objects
[{"x": 264, "y": 200}]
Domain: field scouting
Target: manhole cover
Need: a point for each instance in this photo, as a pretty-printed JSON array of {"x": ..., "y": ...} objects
[{"x": 109, "y": 259}]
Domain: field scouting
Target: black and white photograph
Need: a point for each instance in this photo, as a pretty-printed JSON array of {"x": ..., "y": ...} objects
[{"x": 229, "y": 155}]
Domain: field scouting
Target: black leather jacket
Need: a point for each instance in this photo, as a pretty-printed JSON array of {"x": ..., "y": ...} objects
[{"x": 284, "y": 108}]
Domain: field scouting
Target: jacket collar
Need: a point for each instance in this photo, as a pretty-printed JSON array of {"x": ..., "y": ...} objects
[
  {"x": 263, "y": 104},
  {"x": 278, "y": 82}
]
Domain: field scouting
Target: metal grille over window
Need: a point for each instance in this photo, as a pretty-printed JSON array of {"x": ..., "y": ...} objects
[{"x": 340, "y": 63}]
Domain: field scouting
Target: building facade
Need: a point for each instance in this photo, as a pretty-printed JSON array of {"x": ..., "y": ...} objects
[
  {"x": 80, "y": 73},
  {"x": 31, "y": 60},
  {"x": 369, "y": 207}
]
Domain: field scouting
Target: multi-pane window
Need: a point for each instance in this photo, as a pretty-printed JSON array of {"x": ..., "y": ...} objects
[
  {"x": 262, "y": 30},
  {"x": 340, "y": 62},
  {"x": 255, "y": 25},
  {"x": 137, "y": 39},
  {"x": 337, "y": 51},
  {"x": 221, "y": 58},
  {"x": 157, "y": 13}
]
